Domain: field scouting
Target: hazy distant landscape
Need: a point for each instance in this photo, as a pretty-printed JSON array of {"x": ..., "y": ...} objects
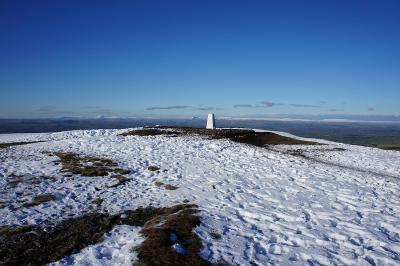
[{"x": 382, "y": 135}]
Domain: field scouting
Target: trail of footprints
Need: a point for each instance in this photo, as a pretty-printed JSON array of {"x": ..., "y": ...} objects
[{"x": 317, "y": 209}]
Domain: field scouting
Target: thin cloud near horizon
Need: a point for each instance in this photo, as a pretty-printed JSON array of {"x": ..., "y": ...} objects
[
  {"x": 304, "y": 105},
  {"x": 177, "y": 107},
  {"x": 268, "y": 104},
  {"x": 263, "y": 104},
  {"x": 173, "y": 107}
]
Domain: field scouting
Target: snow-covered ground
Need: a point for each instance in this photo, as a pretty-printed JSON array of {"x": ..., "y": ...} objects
[
  {"x": 114, "y": 250},
  {"x": 335, "y": 204}
]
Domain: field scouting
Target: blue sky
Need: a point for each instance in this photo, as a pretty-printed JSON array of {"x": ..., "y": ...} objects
[{"x": 187, "y": 58}]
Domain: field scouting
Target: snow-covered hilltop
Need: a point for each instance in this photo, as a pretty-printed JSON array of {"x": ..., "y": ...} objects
[{"x": 330, "y": 204}]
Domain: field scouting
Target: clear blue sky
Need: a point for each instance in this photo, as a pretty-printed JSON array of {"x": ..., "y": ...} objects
[{"x": 144, "y": 57}]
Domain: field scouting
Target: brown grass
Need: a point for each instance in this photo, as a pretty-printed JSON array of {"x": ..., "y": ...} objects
[
  {"x": 153, "y": 168},
  {"x": 388, "y": 147},
  {"x": 30, "y": 246},
  {"x": 27, "y": 245},
  {"x": 15, "y": 180},
  {"x": 121, "y": 180},
  {"x": 39, "y": 199},
  {"x": 215, "y": 234},
  {"x": 121, "y": 171},
  {"x": 247, "y": 136},
  {"x": 88, "y": 170},
  {"x": 159, "y": 184},
  {"x": 28, "y": 179},
  {"x": 170, "y": 187},
  {"x": 98, "y": 201},
  {"x": 267, "y": 138},
  {"x": 157, "y": 247},
  {"x": 88, "y": 165},
  {"x": 10, "y": 144},
  {"x": 166, "y": 186}
]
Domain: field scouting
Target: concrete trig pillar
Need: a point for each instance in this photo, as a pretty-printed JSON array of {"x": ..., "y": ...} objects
[{"x": 210, "y": 121}]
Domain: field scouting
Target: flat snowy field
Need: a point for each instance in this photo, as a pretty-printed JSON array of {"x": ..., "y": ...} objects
[{"x": 331, "y": 204}]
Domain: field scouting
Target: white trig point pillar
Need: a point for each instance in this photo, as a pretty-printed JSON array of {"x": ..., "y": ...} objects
[{"x": 210, "y": 121}]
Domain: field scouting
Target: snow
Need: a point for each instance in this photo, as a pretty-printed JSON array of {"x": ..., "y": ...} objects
[
  {"x": 336, "y": 204},
  {"x": 114, "y": 250}
]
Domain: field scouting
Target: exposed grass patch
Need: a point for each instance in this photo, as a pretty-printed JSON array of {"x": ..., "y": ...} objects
[
  {"x": 215, "y": 234},
  {"x": 39, "y": 199},
  {"x": 6, "y": 231},
  {"x": 98, "y": 201},
  {"x": 88, "y": 171},
  {"x": 15, "y": 180},
  {"x": 121, "y": 180},
  {"x": 88, "y": 165},
  {"x": 392, "y": 147},
  {"x": 166, "y": 186},
  {"x": 157, "y": 247},
  {"x": 153, "y": 168},
  {"x": 10, "y": 144},
  {"x": 121, "y": 171},
  {"x": 247, "y": 136},
  {"x": 170, "y": 187},
  {"x": 267, "y": 138},
  {"x": 30, "y": 246},
  {"x": 27, "y": 245},
  {"x": 159, "y": 184},
  {"x": 75, "y": 164}
]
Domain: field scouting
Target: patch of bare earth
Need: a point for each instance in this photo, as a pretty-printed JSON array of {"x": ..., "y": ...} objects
[
  {"x": 166, "y": 186},
  {"x": 121, "y": 180},
  {"x": 91, "y": 166},
  {"x": 153, "y": 168},
  {"x": 15, "y": 180},
  {"x": 27, "y": 179},
  {"x": 247, "y": 136},
  {"x": 174, "y": 227},
  {"x": 11, "y": 144},
  {"x": 39, "y": 199},
  {"x": 388, "y": 147},
  {"x": 28, "y": 245}
]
